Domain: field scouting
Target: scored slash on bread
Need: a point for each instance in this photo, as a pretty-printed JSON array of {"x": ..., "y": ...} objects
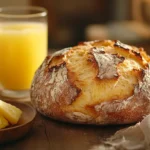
[{"x": 97, "y": 82}]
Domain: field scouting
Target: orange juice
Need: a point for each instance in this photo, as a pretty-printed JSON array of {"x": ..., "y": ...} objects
[{"x": 23, "y": 47}]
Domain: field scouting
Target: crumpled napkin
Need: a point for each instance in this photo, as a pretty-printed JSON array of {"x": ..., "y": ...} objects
[{"x": 136, "y": 137}]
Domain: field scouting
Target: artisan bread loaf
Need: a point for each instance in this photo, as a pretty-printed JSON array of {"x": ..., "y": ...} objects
[{"x": 97, "y": 82}]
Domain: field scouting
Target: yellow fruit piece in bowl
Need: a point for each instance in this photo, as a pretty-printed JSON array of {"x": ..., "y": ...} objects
[
  {"x": 11, "y": 113},
  {"x": 3, "y": 122}
]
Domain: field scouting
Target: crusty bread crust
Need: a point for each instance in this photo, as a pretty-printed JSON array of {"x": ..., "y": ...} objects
[{"x": 97, "y": 82}]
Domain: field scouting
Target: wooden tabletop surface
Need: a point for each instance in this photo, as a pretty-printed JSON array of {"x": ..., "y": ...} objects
[{"x": 48, "y": 134}]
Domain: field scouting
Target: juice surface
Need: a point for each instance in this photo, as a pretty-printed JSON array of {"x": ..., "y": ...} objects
[{"x": 23, "y": 47}]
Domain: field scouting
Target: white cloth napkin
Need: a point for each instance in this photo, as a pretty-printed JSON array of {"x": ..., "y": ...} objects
[{"x": 136, "y": 137}]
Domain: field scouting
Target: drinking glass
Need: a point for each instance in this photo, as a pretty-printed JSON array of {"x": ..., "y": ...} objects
[{"x": 23, "y": 47}]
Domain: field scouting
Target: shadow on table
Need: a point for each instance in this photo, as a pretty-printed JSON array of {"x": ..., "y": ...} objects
[{"x": 48, "y": 134}]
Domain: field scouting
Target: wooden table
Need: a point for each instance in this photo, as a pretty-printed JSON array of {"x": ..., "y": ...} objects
[{"x": 48, "y": 134}]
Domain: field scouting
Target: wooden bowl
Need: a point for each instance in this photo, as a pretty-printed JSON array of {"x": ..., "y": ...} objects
[{"x": 15, "y": 132}]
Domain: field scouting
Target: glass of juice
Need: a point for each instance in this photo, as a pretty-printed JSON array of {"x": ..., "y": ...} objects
[{"x": 23, "y": 47}]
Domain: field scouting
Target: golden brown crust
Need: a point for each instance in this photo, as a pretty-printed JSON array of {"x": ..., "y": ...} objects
[{"x": 97, "y": 82}]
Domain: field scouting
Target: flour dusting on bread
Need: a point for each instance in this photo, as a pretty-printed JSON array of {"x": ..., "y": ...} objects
[{"x": 96, "y": 82}]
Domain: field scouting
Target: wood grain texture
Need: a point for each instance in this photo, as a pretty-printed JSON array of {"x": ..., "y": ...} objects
[{"x": 47, "y": 134}]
